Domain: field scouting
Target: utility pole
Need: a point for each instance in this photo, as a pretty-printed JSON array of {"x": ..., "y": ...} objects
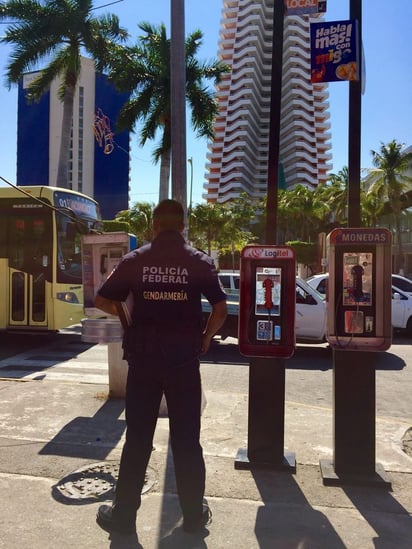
[
  {"x": 355, "y": 112},
  {"x": 274, "y": 127},
  {"x": 189, "y": 210},
  {"x": 178, "y": 102},
  {"x": 266, "y": 422}
]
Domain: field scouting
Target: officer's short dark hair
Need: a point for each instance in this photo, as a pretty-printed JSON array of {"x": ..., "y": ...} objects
[{"x": 170, "y": 215}]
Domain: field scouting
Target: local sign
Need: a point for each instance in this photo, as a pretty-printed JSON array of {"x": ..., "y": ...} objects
[{"x": 300, "y": 7}]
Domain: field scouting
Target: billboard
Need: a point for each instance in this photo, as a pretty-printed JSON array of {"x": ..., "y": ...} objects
[{"x": 334, "y": 51}]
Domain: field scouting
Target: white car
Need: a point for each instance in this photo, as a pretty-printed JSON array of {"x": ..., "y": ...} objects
[
  {"x": 401, "y": 300},
  {"x": 310, "y": 319},
  {"x": 403, "y": 283},
  {"x": 230, "y": 281}
]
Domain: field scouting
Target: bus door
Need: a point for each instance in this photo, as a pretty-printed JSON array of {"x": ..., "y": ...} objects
[{"x": 30, "y": 267}]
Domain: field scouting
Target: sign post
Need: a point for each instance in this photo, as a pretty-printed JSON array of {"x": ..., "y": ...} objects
[{"x": 267, "y": 375}]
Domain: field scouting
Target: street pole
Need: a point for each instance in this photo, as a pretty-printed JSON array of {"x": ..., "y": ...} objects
[
  {"x": 266, "y": 414},
  {"x": 189, "y": 211},
  {"x": 178, "y": 102},
  {"x": 274, "y": 124},
  {"x": 355, "y": 127}
]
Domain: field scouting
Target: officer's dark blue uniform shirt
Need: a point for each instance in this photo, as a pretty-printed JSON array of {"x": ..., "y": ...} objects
[{"x": 167, "y": 279}]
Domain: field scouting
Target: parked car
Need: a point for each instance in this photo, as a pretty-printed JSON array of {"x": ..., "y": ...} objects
[
  {"x": 401, "y": 300},
  {"x": 320, "y": 283},
  {"x": 310, "y": 319},
  {"x": 230, "y": 281},
  {"x": 403, "y": 283}
]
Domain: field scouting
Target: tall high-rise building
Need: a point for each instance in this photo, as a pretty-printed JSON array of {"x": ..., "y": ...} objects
[
  {"x": 238, "y": 155},
  {"x": 99, "y": 158}
]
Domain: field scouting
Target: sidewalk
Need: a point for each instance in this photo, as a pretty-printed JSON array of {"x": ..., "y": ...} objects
[{"x": 60, "y": 444}]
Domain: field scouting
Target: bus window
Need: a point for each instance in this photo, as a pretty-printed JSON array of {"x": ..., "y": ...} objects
[
  {"x": 69, "y": 267},
  {"x": 30, "y": 244}
]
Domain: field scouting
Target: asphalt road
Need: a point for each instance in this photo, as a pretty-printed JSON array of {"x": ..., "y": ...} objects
[
  {"x": 309, "y": 373},
  {"x": 12, "y": 343}
]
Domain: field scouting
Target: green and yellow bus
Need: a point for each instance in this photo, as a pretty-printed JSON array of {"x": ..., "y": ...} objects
[{"x": 40, "y": 256}]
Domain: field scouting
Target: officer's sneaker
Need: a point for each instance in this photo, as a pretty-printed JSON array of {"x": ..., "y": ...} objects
[
  {"x": 110, "y": 523},
  {"x": 195, "y": 525}
]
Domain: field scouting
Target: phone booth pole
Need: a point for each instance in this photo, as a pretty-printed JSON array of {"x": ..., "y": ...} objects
[
  {"x": 267, "y": 335},
  {"x": 359, "y": 326},
  {"x": 354, "y": 373}
]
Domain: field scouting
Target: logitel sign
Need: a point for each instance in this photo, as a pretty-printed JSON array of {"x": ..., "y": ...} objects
[
  {"x": 267, "y": 301},
  {"x": 261, "y": 252}
]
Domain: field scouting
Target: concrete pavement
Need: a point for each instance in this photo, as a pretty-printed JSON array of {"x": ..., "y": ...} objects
[{"x": 60, "y": 443}]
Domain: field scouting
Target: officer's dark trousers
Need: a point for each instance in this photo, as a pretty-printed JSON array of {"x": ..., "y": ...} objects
[{"x": 182, "y": 389}]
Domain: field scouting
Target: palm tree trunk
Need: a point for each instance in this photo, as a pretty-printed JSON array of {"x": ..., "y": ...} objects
[
  {"x": 400, "y": 259},
  {"x": 164, "y": 175},
  {"x": 62, "y": 179}
]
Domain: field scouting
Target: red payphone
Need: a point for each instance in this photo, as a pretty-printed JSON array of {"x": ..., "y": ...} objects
[
  {"x": 267, "y": 301},
  {"x": 359, "y": 289}
]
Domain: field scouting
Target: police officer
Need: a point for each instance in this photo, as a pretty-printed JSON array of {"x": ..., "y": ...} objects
[{"x": 166, "y": 279}]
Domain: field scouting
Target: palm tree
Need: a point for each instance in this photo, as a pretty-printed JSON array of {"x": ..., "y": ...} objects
[
  {"x": 300, "y": 209},
  {"x": 207, "y": 225},
  {"x": 57, "y": 31},
  {"x": 144, "y": 71},
  {"x": 371, "y": 208},
  {"x": 388, "y": 181},
  {"x": 338, "y": 195},
  {"x": 140, "y": 219}
]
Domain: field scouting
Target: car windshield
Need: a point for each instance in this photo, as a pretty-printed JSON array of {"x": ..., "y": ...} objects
[
  {"x": 402, "y": 283},
  {"x": 310, "y": 289}
]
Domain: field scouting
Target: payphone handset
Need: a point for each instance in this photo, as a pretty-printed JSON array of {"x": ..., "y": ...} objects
[
  {"x": 267, "y": 301},
  {"x": 359, "y": 292}
]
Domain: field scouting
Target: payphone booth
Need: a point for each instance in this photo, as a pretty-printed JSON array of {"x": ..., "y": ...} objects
[
  {"x": 359, "y": 289},
  {"x": 267, "y": 301},
  {"x": 359, "y": 319},
  {"x": 267, "y": 335},
  {"x": 101, "y": 253}
]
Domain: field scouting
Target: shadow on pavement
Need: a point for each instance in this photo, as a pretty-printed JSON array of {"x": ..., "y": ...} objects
[
  {"x": 90, "y": 437},
  {"x": 389, "y": 361},
  {"x": 300, "y": 526},
  {"x": 386, "y": 516}
]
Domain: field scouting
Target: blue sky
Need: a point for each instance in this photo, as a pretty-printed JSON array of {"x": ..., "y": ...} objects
[{"x": 386, "y": 104}]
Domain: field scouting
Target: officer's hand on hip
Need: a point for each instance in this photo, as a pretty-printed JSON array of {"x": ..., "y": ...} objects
[{"x": 206, "y": 339}]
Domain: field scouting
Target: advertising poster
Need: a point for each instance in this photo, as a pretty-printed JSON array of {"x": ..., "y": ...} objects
[
  {"x": 301, "y": 7},
  {"x": 334, "y": 51}
]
